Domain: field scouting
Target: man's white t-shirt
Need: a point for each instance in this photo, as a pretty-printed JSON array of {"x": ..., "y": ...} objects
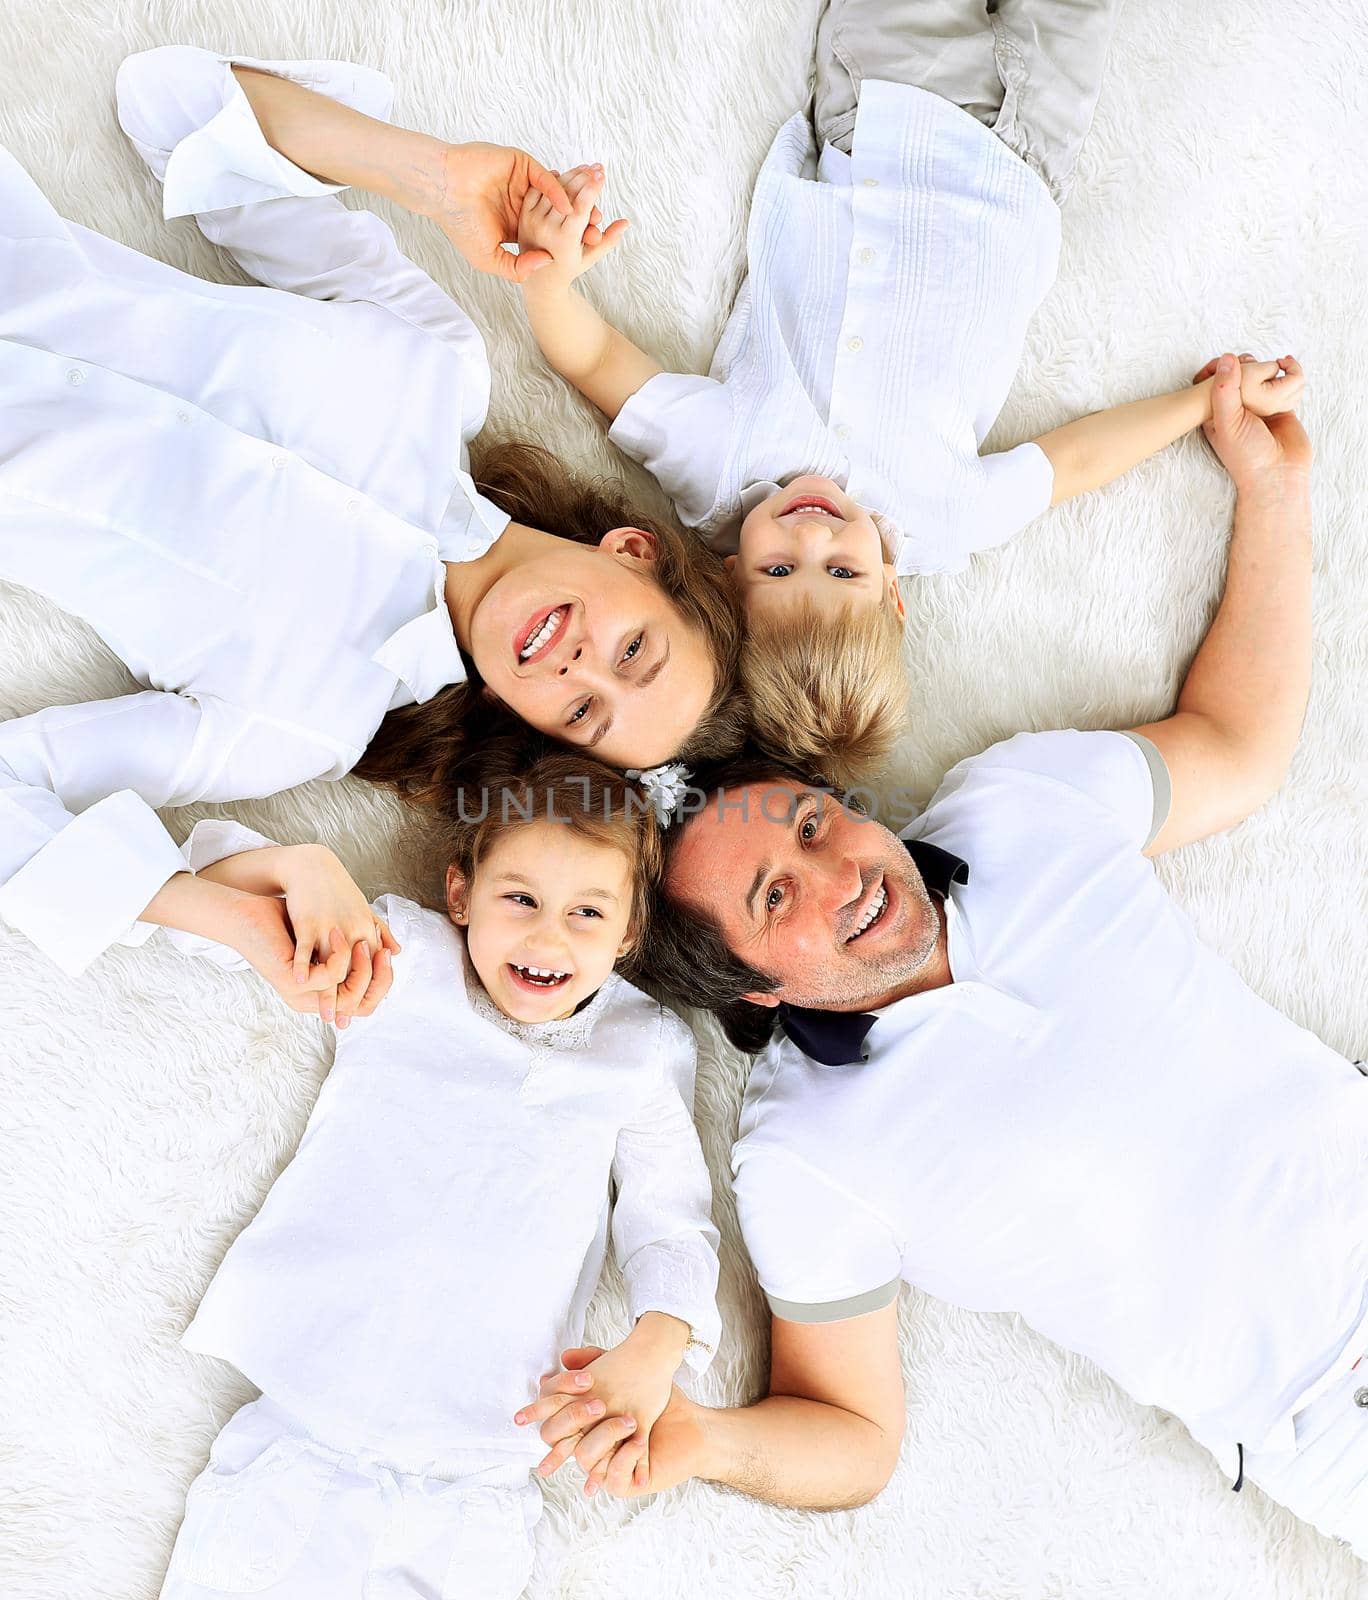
[{"x": 1097, "y": 1124}]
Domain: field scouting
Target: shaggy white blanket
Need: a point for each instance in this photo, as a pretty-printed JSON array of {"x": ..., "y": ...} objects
[{"x": 145, "y": 1109}]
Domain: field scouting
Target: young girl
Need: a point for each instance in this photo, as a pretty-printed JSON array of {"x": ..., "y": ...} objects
[
  {"x": 259, "y": 498},
  {"x": 898, "y": 245},
  {"x": 433, "y": 1245}
]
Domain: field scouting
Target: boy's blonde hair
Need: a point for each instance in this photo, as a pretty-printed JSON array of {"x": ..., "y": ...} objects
[{"x": 828, "y": 690}]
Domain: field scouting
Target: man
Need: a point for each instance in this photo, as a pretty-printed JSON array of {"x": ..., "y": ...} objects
[{"x": 1003, "y": 1067}]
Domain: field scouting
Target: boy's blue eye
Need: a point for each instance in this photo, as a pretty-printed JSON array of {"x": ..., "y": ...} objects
[
  {"x": 840, "y": 572},
  {"x": 779, "y": 570}
]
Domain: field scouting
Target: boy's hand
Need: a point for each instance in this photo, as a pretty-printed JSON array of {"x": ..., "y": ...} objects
[
  {"x": 1254, "y": 451},
  {"x": 609, "y": 1430},
  {"x": 1266, "y": 387},
  {"x": 571, "y": 243}
]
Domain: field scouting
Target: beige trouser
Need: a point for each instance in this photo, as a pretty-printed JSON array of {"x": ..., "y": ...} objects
[{"x": 1028, "y": 69}]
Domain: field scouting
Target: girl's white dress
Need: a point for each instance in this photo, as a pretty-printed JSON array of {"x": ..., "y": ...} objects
[
  {"x": 249, "y": 492},
  {"x": 421, "y": 1262}
]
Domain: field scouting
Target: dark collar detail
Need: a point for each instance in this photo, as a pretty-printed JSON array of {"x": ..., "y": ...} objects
[{"x": 836, "y": 1038}]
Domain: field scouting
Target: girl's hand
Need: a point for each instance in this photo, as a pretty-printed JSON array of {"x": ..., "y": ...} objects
[
  {"x": 258, "y": 927},
  {"x": 677, "y": 1441},
  {"x": 1266, "y": 387},
  {"x": 608, "y": 1428},
  {"x": 341, "y": 948},
  {"x": 574, "y": 242},
  {"x": 1256, "y": 453}
]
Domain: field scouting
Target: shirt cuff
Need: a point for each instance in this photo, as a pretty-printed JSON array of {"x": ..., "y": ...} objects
[
  {"x": 227, "y": 162},
  {"x": 856, "y": 1305},
  {"x": 680, "y": 1280},
  {"x": 84, "y": 889}
]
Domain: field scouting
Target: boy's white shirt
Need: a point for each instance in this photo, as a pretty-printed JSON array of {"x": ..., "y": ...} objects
[
  {"x": 874, "y": 340},
  {"x": 270, "y": 481},
  {"x": 435, "y": 1241}
]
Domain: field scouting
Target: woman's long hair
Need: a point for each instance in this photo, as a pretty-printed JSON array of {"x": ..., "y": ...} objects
[{"x": 415, "y": 748}]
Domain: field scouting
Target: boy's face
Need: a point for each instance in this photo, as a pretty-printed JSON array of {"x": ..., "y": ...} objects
[
  {"x": 544, "y": 901},
  {"x": 812, "y": 540}
]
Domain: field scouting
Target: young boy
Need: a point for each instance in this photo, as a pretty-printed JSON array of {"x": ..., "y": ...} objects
[{"x": 898, "y": 245}]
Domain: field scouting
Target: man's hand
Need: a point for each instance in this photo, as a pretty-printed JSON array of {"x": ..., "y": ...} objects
[
  {"x": 483, "y": 191},
  {"x": 1256, "y": 450},
  {"x": 574, "y": 242}
]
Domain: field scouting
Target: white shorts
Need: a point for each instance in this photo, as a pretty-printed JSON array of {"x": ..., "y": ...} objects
[
  {"x": 276, "y": 1513},
  {"x": 1324, "y": 1480}
]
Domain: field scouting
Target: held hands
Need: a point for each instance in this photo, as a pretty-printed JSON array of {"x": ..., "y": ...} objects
[
  {"x": 571, "y": 242},
  {"x": 618, "y": 1414},
  {"x": 1252, "y": 428},
  {"x": 483, "y": 190},
  {"x": 320, "y": 947}
]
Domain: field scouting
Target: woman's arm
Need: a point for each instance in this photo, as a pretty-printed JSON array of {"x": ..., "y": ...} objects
[
  {"x": 223, "y": 136},
  {"x": 1093, "y": 450},
  {"x": 473, "y": 192}
]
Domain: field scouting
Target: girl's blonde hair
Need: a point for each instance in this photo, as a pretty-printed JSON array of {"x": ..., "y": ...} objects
[
  {"x": 828, "y": 691},
  {"x": 516, "y": 780},
  {"x": 415, "y": 747}
]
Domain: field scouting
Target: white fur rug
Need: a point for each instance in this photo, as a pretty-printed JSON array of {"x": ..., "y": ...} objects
[{"x": 145, "y": 1109}]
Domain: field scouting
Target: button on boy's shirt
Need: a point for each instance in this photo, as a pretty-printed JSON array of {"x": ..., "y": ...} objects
[
  {"x": 1096, "y": 1125},
  {"x": 433, "y": 1244},
  {"x": 249, "y": 492},
  {"x": 875, "y": 339}
]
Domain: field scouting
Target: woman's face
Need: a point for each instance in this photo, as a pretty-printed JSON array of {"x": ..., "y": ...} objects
[{"x": 584, "y": 644}]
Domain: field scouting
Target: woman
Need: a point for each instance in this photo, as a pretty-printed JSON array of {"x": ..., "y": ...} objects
[{"x": 261, "y": 501}]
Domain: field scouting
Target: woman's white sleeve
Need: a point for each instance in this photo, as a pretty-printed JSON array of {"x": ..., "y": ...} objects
[
  {"x": 191, "y": 122},
  {"x": 663, "y": 1234},
  {"x": 82, "y": 851}
]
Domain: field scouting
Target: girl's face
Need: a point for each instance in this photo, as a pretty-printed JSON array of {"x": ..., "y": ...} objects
[
  {"x": 811, "y": 539},
  {"x": 583, "y": 644},
  {"x": 546, "y": 918}
]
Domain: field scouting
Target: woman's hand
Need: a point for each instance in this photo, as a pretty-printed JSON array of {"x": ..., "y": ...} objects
[
  {"x": 1257, "y": 449},
  {"x": 572, "y": 243},
  {"x": 483, "y": 190}
]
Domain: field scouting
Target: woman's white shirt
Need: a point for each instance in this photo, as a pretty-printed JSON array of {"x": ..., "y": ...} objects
[
  {"x": 249, "y": 492},
  {"x": 434, "y": 1243}
]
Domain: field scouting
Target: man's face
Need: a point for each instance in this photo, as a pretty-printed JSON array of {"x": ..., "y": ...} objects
[{"x": 827, "y": 901}]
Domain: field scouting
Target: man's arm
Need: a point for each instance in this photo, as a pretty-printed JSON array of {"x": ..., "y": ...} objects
[
  {"x": 1239, "y": 716},
  {"x": 1093, "y": 450},
  {"x": 825, "y": 1438}
]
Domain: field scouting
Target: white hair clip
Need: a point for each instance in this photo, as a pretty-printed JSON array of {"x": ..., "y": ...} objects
[{"x": 665, "y": 788}]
